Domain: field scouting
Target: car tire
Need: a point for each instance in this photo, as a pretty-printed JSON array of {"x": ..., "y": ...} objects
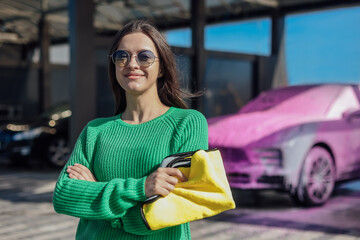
[
  {"x": 58, "y": 152},
  {"x": 317, "y": 179}
]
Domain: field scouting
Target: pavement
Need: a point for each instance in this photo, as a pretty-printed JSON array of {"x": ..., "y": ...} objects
[{"x": 26, "y": 212}]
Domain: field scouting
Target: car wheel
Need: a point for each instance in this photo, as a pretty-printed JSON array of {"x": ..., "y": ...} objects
[
  {"x": 58, "y": 152},
  {"x": 317, "y": 178}
]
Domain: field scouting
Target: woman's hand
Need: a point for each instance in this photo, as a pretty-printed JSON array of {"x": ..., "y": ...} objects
[
  {"x": 163, "y": 181},
  {"x": 80, "y": 172}
]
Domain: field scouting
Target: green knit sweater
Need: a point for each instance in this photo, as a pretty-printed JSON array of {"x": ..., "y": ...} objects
[{"x": 121, "y": 156}]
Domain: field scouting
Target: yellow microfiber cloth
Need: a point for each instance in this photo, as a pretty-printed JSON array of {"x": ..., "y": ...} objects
[{"x": 206, "y": 193}]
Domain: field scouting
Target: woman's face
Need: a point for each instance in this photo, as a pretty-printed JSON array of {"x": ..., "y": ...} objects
[{"x": 132, "y": 77}]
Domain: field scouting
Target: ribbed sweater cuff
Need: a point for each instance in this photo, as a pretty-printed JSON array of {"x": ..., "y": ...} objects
[
  {"x": 139, "y": 187},
  {"x": 133, "y": 223}
]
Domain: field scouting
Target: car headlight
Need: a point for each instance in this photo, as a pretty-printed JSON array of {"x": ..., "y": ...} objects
[
  {"x": 33, "y": 133},
  {"x": 271, "y": 157}
]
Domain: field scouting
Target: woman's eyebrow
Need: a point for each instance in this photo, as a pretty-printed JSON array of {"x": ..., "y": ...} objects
[{"x": 145, "y": 48}]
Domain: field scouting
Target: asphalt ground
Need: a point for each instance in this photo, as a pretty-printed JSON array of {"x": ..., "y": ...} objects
[{"x": 26, "y": 212}]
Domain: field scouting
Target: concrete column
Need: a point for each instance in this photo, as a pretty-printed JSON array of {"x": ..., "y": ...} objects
[
  {"x": 255, "y": 80},
  {"x": 278, "y": 50},
  {"x": 198, "y": 19},
  {"x": 82, "y": 65},
  {"x": 44, "y": 65}
]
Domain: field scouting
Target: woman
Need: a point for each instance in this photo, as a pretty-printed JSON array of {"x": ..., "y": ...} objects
[{"x": 114, "y": 165}]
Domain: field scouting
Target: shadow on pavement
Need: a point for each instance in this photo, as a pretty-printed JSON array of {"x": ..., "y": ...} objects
[
  {"x": 262, "y": 199},
  {"x": 341, "y": 215},
  {"x": 27, "y": 182},
  {"x": 272, "y": 222}
]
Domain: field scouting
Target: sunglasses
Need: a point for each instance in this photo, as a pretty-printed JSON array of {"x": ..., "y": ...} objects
[{"x": 144, "y": 58}]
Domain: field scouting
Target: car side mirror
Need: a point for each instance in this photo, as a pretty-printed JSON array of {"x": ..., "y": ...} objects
[{"x": 351, "y": 114}]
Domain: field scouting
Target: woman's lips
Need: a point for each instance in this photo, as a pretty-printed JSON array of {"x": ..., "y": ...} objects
[{"x": 134, "y": 76}]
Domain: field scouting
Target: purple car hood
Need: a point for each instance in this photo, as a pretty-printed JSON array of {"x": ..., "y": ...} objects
[{"x": 239, "y": 130}]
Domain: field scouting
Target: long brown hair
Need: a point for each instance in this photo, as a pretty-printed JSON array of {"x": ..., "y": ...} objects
[{"x": 168, "y": 86}]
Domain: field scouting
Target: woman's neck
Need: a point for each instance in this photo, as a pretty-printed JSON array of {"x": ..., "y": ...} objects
[{"x": 140, "y": 109}]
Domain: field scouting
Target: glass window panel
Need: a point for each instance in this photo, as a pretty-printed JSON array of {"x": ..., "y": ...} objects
[
  {"x": 60, "y": 84},
  {"x": 179, "y": 37},
  {"x": 228, "y": 85},
  {"x": 252, "y": 37},
  {"x": 105, "y": 97},
  {"x": 183, "y": 64},
  {"x": 59, "y": 54}
]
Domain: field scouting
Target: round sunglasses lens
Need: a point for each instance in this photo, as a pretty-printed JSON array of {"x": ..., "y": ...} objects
[
  {"x": 146, "y": 58},
  {"x": 120, "y": 58}
]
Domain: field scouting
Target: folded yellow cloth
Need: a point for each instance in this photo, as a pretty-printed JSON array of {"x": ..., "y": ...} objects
[{"x": 206, "y": 193}]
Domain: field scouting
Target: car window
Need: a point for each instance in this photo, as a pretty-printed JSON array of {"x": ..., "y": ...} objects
[{"x": 347, "y": 101}]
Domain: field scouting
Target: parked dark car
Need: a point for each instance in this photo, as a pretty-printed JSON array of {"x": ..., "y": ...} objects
[{"x": 44, "y": 138}]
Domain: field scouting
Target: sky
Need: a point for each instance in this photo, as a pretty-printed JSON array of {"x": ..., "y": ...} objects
[
  {"x": 320, "y": 47},
  {"x": 324, "y": 46}
]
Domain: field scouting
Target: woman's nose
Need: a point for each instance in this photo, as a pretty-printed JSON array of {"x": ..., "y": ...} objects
[{"x": 133, "y": 62}]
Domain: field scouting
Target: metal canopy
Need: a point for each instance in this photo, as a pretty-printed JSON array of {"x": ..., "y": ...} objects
[{"x": 19, "y": 19}]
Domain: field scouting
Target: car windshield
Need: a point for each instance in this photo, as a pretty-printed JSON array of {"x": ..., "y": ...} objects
[{"x": 315, "y": 100}]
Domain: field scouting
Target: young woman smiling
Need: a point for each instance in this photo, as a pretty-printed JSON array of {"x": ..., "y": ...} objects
[{"x": 114, "y": 165}]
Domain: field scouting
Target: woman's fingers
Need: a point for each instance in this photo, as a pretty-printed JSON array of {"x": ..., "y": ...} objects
[
  {"x": 74, "y": 174},
  {"x": 77, "y": 173},
  {"x": 80, "y": 172},
  {"x": 84, "y": 170},
  {"x": 176, "y": 173},
  {"x": 163, "y": 181}
]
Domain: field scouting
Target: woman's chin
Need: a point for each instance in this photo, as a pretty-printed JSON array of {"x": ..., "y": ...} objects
[
  {"x": 137, "y": 88},
  {"x": 133, "y": 86}
]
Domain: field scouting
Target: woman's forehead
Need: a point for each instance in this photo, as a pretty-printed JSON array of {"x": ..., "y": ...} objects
[{"x": 135, "y": 42}]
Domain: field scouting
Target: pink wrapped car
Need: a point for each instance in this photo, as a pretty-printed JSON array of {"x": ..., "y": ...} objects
[{"x": 302, "y": 139}]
